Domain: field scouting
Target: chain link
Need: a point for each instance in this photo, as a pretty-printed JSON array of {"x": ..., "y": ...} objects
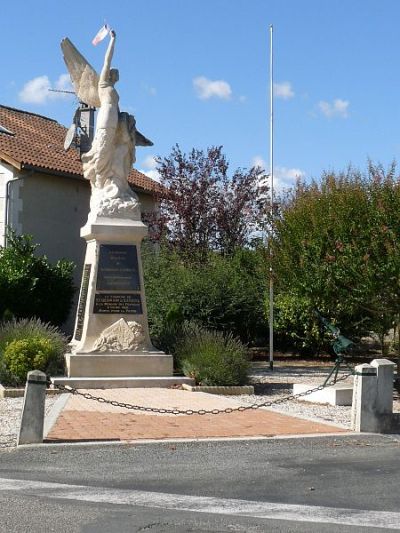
[{"x": 227, "y": 410}]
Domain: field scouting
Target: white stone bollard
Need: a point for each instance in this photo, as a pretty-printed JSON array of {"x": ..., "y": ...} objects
[
  {"x": 32, "y": 418},
  {"x": 373, "y": 397},
  {"x": 364, "y": 392},
  {"x": 384, "y": 394}
]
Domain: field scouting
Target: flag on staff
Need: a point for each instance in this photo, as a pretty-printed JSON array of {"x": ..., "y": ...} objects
[{"x": 101, "y": 34}]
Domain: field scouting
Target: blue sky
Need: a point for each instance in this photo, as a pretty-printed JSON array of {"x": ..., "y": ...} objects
[{"x": 196, "y": 73}]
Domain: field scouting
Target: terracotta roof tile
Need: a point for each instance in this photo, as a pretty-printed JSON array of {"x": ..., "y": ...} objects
[{"x": 38, "y": 142}]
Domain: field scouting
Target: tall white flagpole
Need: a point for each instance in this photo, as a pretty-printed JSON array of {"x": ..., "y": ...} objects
[{"x": 271, "y": 167}]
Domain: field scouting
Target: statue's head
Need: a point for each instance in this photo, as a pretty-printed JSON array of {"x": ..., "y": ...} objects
[
  {"x": 127, "y": 129},
  {"x": 114, "y": 75},
  {"x": 127, "y": 122},
  {"x": 131, "y": 123}
]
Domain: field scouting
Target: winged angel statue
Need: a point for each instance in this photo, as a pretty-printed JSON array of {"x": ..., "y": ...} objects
[{"x": 109, "y": 161}]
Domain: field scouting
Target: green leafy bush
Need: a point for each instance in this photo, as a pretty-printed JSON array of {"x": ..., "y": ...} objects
[
  {"x": 22, "y": 356},
  {"x": 171, "y": 330},
  {"x": 212, "y": 358},
  {"x": 29, "y": 345},
  {"x": 225, "y": 293},
  {"x": 336, "y": 243},
  {"x": 295, "y": 324},
  {"x": 32, "y": 287}
]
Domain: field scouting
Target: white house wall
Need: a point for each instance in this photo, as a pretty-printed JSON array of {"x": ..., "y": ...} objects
[{"x": 6, "y": 174}]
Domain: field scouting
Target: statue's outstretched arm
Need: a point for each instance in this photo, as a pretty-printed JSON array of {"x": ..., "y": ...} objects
[{"x": 105, "y": 72}]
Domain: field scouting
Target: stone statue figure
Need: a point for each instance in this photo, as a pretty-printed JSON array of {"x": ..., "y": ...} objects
[{"x": 109, "y": 161}]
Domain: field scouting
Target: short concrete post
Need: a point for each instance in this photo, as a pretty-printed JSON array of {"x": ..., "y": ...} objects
[
  {"x": 363, "y": 416},
  {"x": 32, "y": 419},
  {"x": 384, "y": 395}
]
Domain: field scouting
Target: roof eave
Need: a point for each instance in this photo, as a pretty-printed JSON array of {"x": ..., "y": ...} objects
[
  {"x": 20, "y": 165},
  {"x": 52, "y": 171},
  {"x": 11, "y": 161}
]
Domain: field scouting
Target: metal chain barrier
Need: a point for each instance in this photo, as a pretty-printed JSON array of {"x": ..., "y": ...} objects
[{"x": 227, "y": 410}]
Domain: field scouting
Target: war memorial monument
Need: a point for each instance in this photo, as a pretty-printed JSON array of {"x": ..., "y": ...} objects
[{"x": 111, "y": 346}]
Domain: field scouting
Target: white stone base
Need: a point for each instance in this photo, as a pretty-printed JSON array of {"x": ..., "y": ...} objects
[
  {"x": 338, "y": 394},
  {"x": 149, "y": 364},
  {"x": 111, "y": 347},
  {"x": 121, "y": 382}
]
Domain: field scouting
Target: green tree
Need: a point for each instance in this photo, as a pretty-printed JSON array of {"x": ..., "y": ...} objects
[
  {"x": 32, "y": 287},
  {"x": 336, "y": 243},
  {"x": 225, "y": 293}
]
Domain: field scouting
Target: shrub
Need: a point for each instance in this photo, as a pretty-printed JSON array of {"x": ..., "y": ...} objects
[
  {"x": 24, "y": 355},
  {"x": 29, "y": 345},
  {"x": 336, "y": 243},
  {"x": 32, "y": 287},
  {"x": 212, "y": 358},
  {"x": 295, "y": 324},
  {"x": 223, "y": 293},
  {"x": 171, "y": 331}
]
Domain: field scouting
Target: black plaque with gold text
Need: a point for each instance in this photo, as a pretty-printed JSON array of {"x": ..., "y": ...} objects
[
  {"x": 118, "y": 268},
  {"x": 82, "y": 302},
  {"x": 117, "y": 303}
]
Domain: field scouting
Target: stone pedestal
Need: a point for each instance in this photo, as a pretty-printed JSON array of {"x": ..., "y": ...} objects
[
  {"x": 372, "y": 409},
  {"x": 384, "y": 392},
  {"x": 111, "y": 337},
  {"x": 338, "y": 394}
]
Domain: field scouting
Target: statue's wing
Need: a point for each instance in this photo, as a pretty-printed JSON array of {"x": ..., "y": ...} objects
[
  {"x": 83, "y": 76},
  {"x": 141, "y": 140}
]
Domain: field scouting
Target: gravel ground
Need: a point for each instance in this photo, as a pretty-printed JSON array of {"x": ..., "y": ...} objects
[
  {"x": 268, "y": 386},
  {"x": 10, "y": 417}
]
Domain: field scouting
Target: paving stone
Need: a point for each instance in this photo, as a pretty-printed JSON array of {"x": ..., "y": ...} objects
[{"x": 83, "y": 419}]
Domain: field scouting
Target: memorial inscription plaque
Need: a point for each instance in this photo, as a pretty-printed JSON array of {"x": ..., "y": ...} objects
[
  {"x": 82, "y": 302},
  {"x": 117, "y": 303},
  {"x": 118, "y": 268}
]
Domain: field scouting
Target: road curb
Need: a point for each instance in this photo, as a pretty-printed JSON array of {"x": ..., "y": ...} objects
[{"x": 144, "y": 442}]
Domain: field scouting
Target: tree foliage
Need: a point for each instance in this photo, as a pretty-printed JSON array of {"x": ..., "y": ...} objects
[
  {"x": 32, "y": 287},
  {"x": 296, "y": 326},
  {"x": 225, "y": 293},
  {"x": 202, "y": 208},
  {"x": 337, "y": 245}
]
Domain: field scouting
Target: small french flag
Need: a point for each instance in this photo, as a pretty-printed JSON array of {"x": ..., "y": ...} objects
[{"x": 101, "y": 34}]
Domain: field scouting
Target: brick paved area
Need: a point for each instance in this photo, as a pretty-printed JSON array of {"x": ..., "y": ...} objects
[{"x": 88, "y": 420}]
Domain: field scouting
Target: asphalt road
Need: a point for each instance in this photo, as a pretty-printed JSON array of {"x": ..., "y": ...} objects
[{"x": 325, "y": 484}]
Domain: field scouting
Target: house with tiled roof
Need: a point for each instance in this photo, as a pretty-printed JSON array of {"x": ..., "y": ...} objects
[{"x": 42, "y": 189}]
